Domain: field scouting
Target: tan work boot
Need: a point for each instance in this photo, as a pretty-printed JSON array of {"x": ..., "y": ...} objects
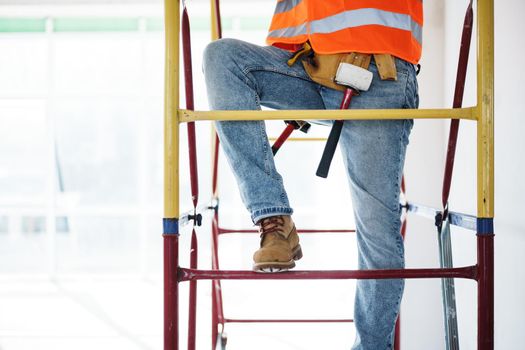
[{"x": 279, "y": 245}]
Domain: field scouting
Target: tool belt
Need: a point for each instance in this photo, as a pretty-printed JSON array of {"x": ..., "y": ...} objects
[{"x": 322, "y": 69}]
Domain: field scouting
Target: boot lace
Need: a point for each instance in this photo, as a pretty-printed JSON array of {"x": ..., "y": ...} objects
[{"x": 274, "y": 224}]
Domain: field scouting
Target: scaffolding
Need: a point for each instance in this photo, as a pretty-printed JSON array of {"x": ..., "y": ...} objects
[{"x": 481, "y": 223}]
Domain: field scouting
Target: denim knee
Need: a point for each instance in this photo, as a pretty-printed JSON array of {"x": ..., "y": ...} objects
[{"x": 218, "y": 53}]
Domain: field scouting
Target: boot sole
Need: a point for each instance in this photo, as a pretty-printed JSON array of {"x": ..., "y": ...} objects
[{"x": 279, "y": 266}]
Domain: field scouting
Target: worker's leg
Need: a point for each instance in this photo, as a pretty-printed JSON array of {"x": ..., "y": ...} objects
[
  {"x": 243, "y": 76},
  {"x": 374, "y": 153}
]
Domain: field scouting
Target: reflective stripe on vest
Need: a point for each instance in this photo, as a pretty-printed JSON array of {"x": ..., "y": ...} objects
[
  {"x": 337, "y": 27},
  {"x": 354, "y": 18},
  {"x": 286, "y": 5}
]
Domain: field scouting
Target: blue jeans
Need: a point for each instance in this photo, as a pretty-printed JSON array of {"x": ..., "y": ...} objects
[{"x": 243, "y": 76}]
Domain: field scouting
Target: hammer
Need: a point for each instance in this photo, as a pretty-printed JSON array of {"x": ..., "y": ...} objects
[
  {"x": 291, "y": 125},
  {"x": 356, "y": 79}
]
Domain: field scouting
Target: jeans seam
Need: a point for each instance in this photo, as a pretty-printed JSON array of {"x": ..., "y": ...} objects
[
  {"x": 263, "y": 144},
  {"x": 406, "y": 105},
  {"x": 257, "y": 98},
  {"x": 255, "y": 68},
  {"x": 397, "y": 223}
]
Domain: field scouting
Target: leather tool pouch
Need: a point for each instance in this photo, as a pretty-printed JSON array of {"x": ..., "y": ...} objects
[
  {"x": 386, "y": 66},
  {"x": 322, "y": 68}
]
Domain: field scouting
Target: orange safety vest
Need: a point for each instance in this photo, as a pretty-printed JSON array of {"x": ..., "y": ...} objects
[{"x": 338, "y": 26}]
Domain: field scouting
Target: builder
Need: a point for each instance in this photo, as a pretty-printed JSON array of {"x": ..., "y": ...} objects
[{"x": 381, "y": 36}]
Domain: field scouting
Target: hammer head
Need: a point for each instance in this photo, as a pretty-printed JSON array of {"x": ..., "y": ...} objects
[
  {"x": 353, "y": 76},
  {"x": 300, "y": 125}
]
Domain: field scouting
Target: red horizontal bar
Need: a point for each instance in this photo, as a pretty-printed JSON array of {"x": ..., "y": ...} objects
[
  {"x": 469, "y": 272},
  {"x": 227, "y": 230},
  {"x": 325, "y": 231},
  {"x": 231, "y": 320}
]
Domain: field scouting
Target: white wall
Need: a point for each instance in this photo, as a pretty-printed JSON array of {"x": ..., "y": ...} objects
[{"x": 510, "y": 167}]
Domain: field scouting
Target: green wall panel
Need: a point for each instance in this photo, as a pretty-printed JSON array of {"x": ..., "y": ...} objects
[
  {"x": 95, "y": 24},
  {"x": 22, "y": 25}
]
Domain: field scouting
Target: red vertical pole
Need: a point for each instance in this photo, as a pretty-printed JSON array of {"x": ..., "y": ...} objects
[
  {"x": 215, "y": 175},
  {"x": 485, "y": 289},
  {"x": 217, "y": 309},
  {"x": 214, "y": 246},
  {"x": 214, "y": 301},
  {"x": 397, "y": 335},
  {"x": 192, "y": 317},
  {"x": 188, "y": 82},
  {"x": 171, "y": 291},
  {"x": 214, "y": 322},
  {"x": 457, "y": 103},
  {"x": 215, "y": 285}
]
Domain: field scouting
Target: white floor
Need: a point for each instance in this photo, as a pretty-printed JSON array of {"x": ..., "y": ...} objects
[
  {"x": 125, "y": 312},
  {"x": 79, "y": 314}
]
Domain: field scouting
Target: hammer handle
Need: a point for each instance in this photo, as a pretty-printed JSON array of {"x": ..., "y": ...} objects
[
  {"x": 333, "y": 138},
  {"x": 283, "y": 137}
]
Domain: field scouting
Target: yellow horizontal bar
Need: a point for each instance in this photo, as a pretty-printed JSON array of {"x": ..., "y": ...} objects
[
  {"x": 301, "y": 139},
  {"x": 314, "y": 114}
]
